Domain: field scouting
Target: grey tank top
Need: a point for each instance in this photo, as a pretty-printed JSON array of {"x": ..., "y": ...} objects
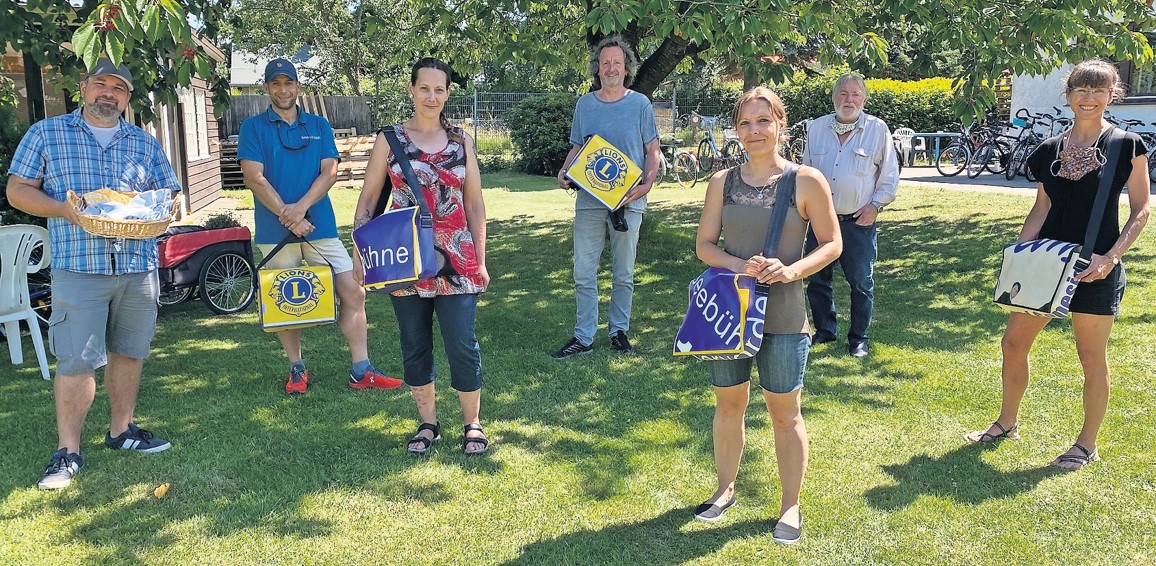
[{"x": 746, "y": 216}]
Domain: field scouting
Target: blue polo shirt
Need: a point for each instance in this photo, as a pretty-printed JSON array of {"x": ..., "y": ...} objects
[{"x": 291, "y": 154}]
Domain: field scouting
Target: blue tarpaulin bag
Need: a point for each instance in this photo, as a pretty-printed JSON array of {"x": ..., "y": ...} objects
[
  {"x": 724, "y": 319},
  {"x": 397, "y": 248}
]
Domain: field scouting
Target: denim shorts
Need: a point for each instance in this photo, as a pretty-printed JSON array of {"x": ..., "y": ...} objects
[
  {"x": 781, "y": 362},
  {"x": 96, "y": 314}
]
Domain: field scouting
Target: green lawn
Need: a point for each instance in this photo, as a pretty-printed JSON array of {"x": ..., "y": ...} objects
[{"x": 600, "y": 460}]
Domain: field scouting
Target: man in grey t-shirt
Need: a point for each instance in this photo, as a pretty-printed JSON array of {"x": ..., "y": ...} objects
[{"x": 625, "y": 119}]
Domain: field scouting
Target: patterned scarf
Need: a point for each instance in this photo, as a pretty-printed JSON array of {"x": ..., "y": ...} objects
[
  {"x": 841, "y": 128},
  {"x": 1075, "y": 162}
]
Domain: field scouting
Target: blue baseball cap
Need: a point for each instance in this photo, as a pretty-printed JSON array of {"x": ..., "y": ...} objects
[{"x": 280, "y": 66}]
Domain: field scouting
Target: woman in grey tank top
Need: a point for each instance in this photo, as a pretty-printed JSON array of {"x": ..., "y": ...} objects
[{"x": 737, "y": 210}]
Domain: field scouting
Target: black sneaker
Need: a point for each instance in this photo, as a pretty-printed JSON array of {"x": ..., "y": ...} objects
[
  {"x": 61, "y": 469},
  {"x": 572, "y": 348},
  {"x": 620, "y": 342},
  {"x": 136, "y": 438}
]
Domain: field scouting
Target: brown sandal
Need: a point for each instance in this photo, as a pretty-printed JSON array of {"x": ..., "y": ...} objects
[{"x": 981, "y": 436}]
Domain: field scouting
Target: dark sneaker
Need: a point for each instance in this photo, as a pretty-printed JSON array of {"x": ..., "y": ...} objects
[
  {"x": 620, "y": 342},
  {"x": 572, "y": 348},
  {"x": 136, "y": 438},
  {"x": 373, "y": 379},
  {"x": 60, "y": 470},
  {"x": 298, "y": 382}
]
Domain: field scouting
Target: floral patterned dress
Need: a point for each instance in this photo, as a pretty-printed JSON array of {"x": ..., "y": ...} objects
[{"x": 442, "y": 176}]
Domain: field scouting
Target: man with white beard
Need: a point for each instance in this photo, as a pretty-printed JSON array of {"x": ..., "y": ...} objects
[
  {"x": 854, "y": 151},
  {"x": 104, "y": 290}
]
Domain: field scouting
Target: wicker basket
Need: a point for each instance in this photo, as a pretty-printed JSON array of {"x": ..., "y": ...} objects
[{"x": 110, "y": 228}]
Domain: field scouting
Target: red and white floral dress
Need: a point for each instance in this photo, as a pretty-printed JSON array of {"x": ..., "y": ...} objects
[{"x": 442, "y": 175}]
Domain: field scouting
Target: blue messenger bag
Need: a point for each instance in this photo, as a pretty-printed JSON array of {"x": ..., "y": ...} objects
[
  {"x": 397, "y": 248},
  {"x": 724, "y": 319},
  {"x": 1037, "y": 277}
]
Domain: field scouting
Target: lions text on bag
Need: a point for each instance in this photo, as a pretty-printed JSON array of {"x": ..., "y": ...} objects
[{"x": 296, "y": 292}]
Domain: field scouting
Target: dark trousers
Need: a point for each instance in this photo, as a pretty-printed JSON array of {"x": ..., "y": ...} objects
[
  {"x": 456, "y": 318},
  {"x": 858, "y": 263}
]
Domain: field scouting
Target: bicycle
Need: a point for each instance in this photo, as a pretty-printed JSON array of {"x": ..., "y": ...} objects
[
  {"x": 795, "y": 141},
  {"x": 709, "y": 149},
  {"x": 679, "y": 163}
]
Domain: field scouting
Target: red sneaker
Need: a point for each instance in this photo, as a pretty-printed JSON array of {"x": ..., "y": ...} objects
[
  {"x": 298, "y": 382},
  {"x": 373, "y": 379}
]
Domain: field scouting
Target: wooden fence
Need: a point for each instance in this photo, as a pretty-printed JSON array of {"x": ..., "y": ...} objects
[{"x": 343, "y": 112}]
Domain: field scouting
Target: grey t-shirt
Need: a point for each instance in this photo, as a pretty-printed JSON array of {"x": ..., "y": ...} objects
[
  {"x": 627, "y": 123},
  {"x": 103, "y": 135}
]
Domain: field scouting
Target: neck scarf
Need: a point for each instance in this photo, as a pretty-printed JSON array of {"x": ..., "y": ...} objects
[{"x": 841, "y": 128}]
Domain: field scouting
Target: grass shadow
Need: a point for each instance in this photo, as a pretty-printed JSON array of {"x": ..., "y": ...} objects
[
  {"x": 658, "y": 540},
  {"x": 960, "y": 475}
]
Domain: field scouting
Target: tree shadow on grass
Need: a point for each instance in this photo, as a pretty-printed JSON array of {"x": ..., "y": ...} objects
[
  {"x": 654, "y": 541},
  {"x": 960, "y": 475}
]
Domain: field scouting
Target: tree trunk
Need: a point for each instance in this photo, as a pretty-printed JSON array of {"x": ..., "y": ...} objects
[{"x": 662, "y": 63}]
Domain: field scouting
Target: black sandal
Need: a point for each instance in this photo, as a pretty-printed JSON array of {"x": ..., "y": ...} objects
[
  {"x": 426, "y": 443},
  {"x": 1077, "y": 461},
  {"x": 466, "y": 440},
  {"x": 978, "y": 437}
]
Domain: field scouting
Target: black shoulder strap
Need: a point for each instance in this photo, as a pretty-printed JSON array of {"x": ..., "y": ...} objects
[
  {"x": 407, "y": 169},
  {"x": 783, "y": 194},
  {"x": 1115, "y": 147}
]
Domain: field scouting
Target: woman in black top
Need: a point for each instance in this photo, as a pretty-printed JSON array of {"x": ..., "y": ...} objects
[{"x": 1068, "y": 168}]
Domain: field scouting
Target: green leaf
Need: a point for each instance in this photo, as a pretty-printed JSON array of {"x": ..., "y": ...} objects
[
  {"x": 204, "y": 70},
  {"x": 151, "y": 22},
  {"x": 114, "y": 46},
  {"x": 184, "y": 70},
  {"x": 175, "y": 25},
  {"x": 83, "y": 38}
]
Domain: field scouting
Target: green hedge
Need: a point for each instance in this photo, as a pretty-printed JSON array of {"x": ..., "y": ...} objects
[
  {"x": 540, "y": 129},
  {"x": 11, "y": 131},
  {"x": 924, "y": 105}
]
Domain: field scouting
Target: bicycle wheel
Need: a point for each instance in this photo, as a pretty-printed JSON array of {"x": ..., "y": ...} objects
[
  {"x": 795, "y": 150},
  {"x": 1000, "y": 154},
  {"x": 979, "y": 160},
  {"x": 1018, "y": 161},
  {"x": 1152, "y": 168},
  {"x": 732, "y": 154},
  {"x": 706, "y": 156},
  {"x": 952, "y": 159},
  {"x": 685, "y": 169},
  {"x": 176, "y": 296},
  {"x": 227, "y": 282}
]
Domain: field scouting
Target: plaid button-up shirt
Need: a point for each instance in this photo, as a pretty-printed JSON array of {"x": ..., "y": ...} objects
[{"x": 62, "y": 153}]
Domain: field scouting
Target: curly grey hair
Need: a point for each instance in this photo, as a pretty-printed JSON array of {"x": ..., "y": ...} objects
[{"x": 631, "y": 59}]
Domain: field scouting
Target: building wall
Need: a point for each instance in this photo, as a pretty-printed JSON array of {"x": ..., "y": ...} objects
[
  {"x": 1041, "y": 94},
  {"x": 204, "y": 175}
]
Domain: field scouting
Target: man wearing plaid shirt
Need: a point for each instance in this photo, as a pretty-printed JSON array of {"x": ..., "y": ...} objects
[{"x": 104, "y": 289}]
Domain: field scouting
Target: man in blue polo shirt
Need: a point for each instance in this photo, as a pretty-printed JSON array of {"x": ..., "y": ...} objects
[
  {"x": 289, "y": 160},
  {"x": 104, "y": 290}
]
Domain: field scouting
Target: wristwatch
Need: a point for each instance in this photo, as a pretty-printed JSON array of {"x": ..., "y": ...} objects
[{"x": 878, "y": 206}]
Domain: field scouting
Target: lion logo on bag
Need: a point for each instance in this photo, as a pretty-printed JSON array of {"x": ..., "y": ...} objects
[
  {"x": 606, "y": 169},
  {"x": 296, "y": 291}
]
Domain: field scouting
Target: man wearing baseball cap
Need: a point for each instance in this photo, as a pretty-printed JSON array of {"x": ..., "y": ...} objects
[
  {"x": 104, "y": 290},
  {"x": 289, "y": 159}
]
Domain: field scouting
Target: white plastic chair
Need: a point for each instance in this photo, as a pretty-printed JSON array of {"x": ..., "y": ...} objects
[
  {"x": 16, "y": 245},
  {"x": 904, "y": 136}
]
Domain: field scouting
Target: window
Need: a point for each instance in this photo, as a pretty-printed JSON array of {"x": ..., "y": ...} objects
[
  {"x": 196, "y": 124},
  {"x": 1141, "y": 80}
]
